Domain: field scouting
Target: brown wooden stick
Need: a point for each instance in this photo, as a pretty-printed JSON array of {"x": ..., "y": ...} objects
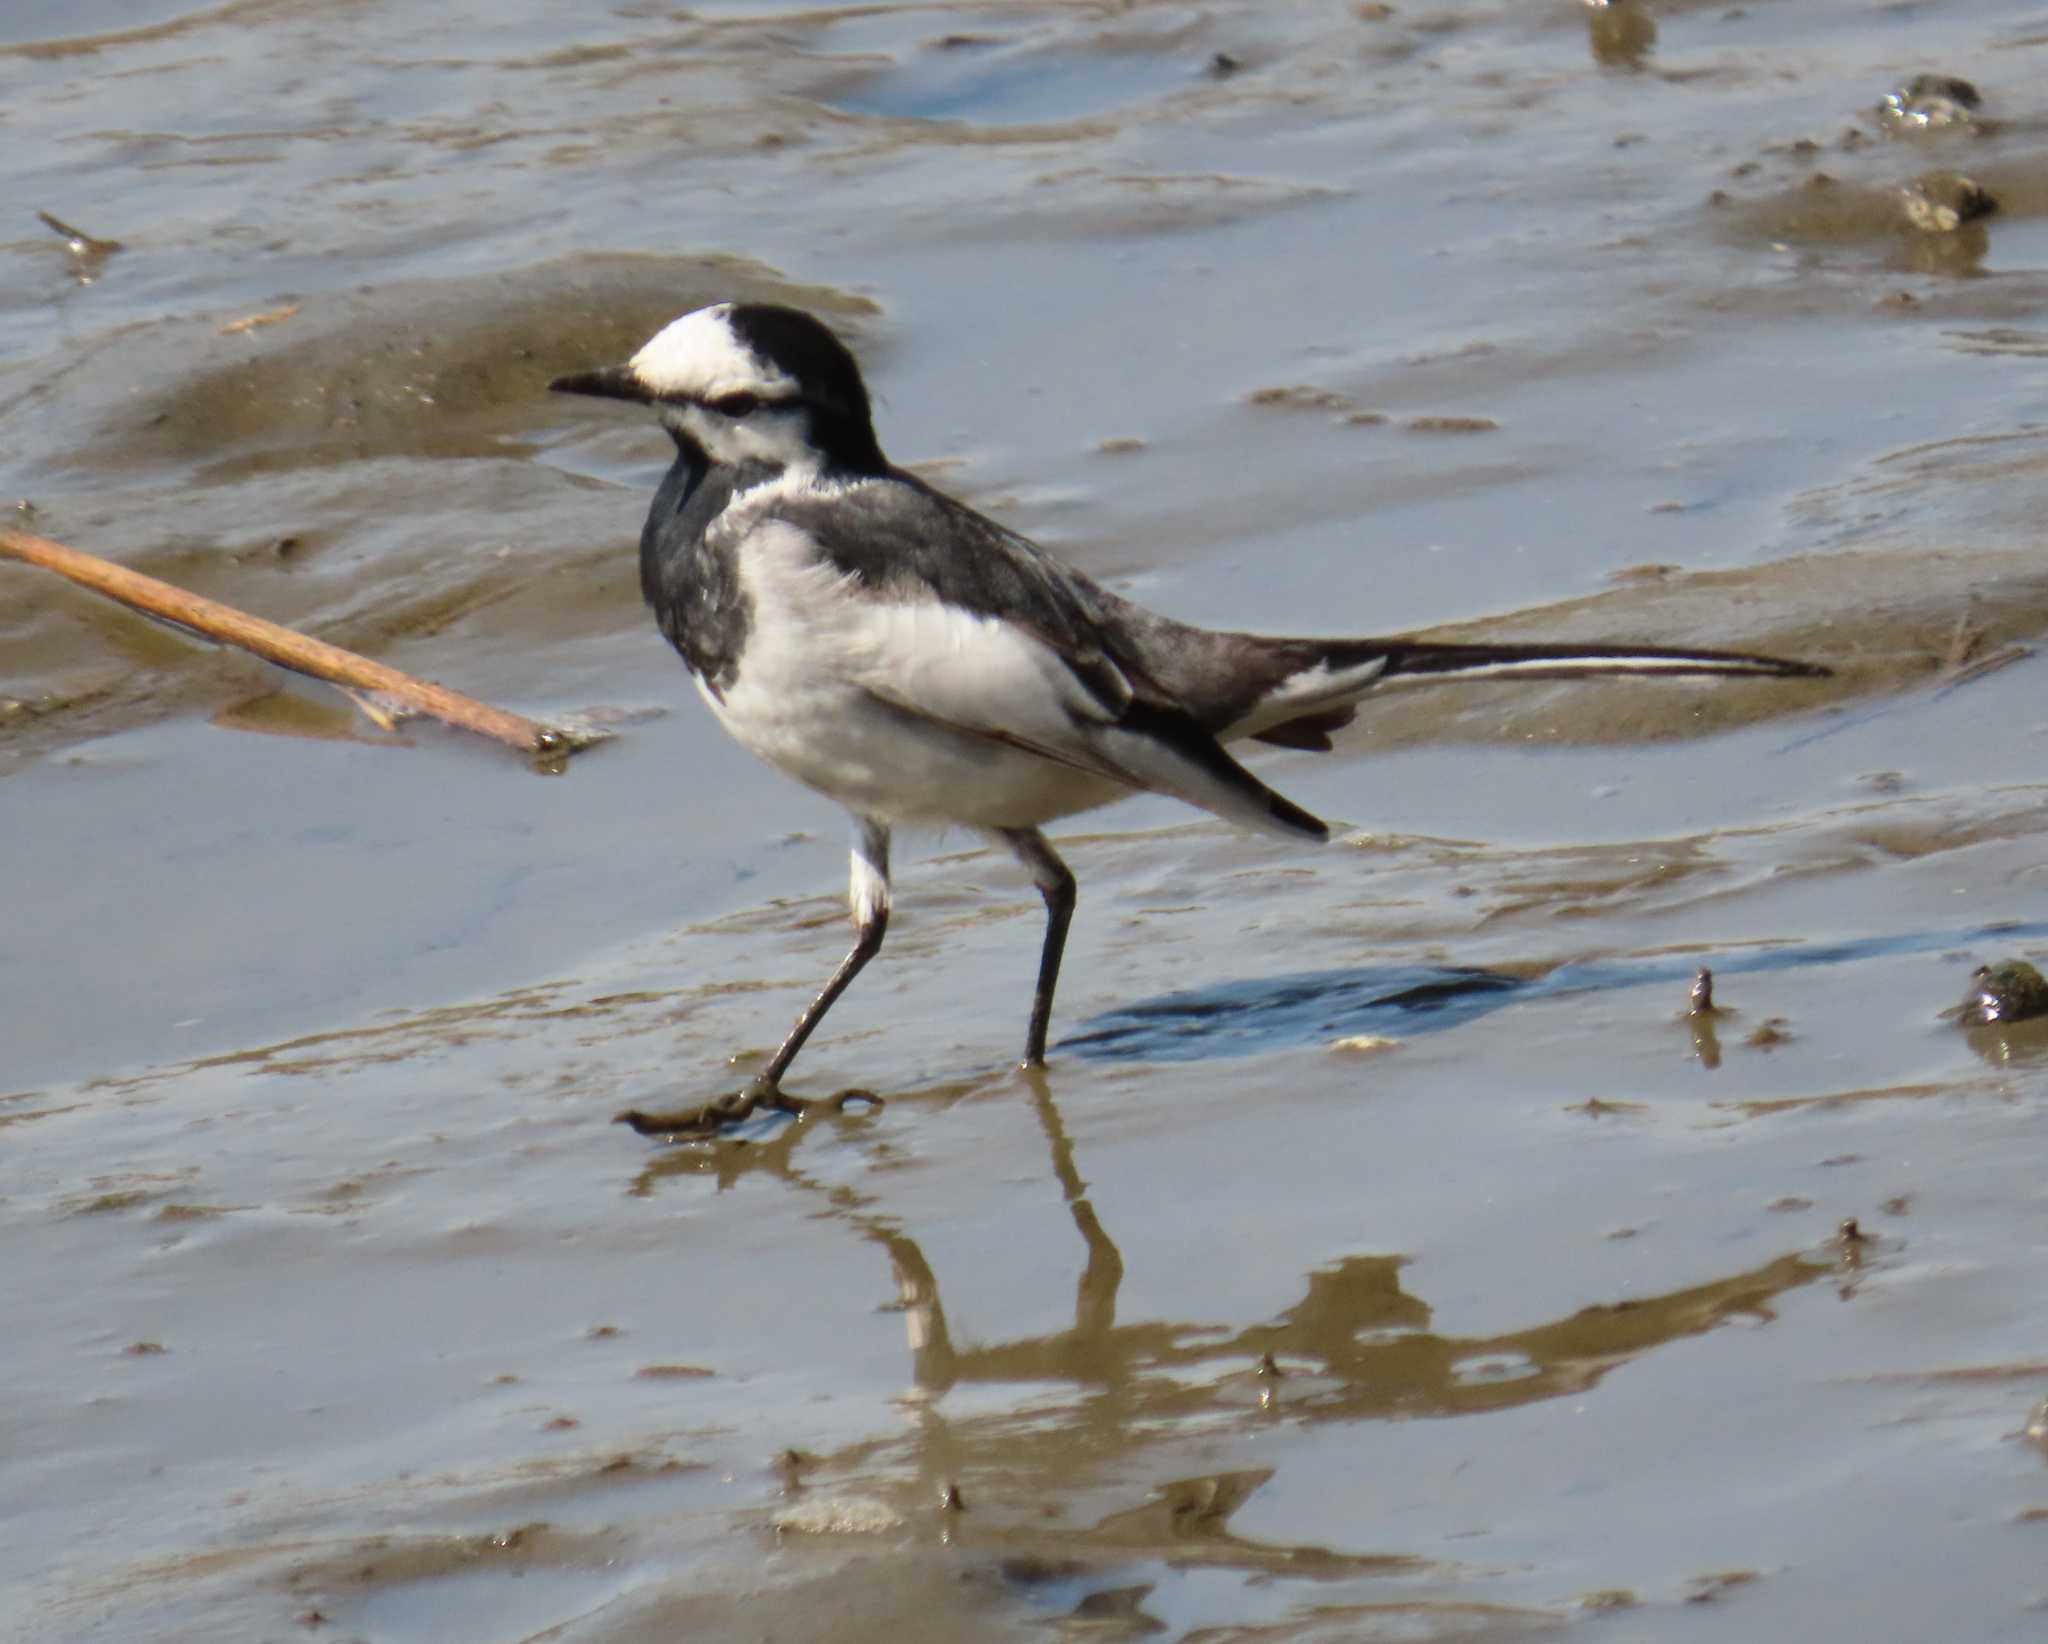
[{"x": 285, "y": 646}]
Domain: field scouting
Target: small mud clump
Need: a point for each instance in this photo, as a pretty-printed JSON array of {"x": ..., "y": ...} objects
[{"x": 2010, "y": 991}]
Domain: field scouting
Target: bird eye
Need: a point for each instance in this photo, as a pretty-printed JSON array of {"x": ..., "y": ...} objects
[{"x": 735, "y": 405}]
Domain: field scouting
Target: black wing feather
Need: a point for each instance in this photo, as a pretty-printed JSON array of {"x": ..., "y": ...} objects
[{"x": 902, "y": 537}]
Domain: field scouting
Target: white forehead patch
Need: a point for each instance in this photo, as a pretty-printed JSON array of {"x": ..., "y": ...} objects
[{"x": 700, "y": 356}]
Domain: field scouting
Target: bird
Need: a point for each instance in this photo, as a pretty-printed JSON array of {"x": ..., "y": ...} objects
[{"x": 919, "y": 663}]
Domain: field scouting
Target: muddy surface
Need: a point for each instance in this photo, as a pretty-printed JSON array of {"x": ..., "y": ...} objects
[{"x": 1387, "y": 1251}]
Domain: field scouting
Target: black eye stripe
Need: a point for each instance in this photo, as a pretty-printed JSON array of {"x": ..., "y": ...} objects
[{"x": 734, "y": 405}]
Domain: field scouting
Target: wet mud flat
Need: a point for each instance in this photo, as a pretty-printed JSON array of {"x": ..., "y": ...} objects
[
  {"x": 1386, "y": 1251},
  {"x": 407, "y": 1338}
]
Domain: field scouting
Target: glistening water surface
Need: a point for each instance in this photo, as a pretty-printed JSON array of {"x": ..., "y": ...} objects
[{"x": 340, "y": 1310}]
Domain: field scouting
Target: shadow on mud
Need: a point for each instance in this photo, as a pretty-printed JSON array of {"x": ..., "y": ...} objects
[{"x": 1248, "y": 1018}]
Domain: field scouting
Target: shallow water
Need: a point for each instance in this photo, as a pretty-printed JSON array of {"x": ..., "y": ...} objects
[{"x": 342, "y": 1310}]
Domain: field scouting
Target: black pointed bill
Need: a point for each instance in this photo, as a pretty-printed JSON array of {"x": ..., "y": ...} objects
[{"x": 611, "y": 382}]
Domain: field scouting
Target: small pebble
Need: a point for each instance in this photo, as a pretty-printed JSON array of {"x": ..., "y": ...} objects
[
  {"x": 1365, "y": 1043},
  {"x": 1930, "y": 102},
  {"x": 2009, "y": 991},
  {"x": 1942, "y": 201}
]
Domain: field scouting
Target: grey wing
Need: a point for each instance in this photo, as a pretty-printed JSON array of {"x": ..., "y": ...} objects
[
  {"x": 995, "y": 636},
  {"x": 899, "y": 536}
]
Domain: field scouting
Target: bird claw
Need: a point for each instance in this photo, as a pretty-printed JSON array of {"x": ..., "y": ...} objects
[
  {"x": 699, "y": 1124},
  {"x": 691, "y": 1124}
]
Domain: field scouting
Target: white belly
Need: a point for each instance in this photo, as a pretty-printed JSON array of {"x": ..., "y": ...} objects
[
  {"x": 880, "y": 761},
  {"x": 900, "y": 712}
]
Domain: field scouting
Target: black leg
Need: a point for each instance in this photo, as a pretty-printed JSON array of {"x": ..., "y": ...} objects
[
  {"x": 1056, "y": 884},
  {"x": 869, "y": 895}
]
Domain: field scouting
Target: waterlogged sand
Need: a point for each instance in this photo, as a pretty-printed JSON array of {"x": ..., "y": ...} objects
[{"x": 1384, "y": 1253}]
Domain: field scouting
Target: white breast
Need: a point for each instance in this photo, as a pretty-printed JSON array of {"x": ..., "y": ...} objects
[{"x": 911, "y": 711}]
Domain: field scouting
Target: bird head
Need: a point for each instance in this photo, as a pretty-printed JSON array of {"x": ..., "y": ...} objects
[{"x": 749, "y": 383}]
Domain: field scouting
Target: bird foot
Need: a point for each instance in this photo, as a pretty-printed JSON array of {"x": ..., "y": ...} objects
[{"x": 698, "y": 1124}]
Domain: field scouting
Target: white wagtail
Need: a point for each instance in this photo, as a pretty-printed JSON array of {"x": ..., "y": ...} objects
[{"x": 919, "y": 663}]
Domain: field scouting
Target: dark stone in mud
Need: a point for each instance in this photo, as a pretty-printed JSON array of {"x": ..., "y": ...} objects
[
  {"x": 2009, "y": 991},
  {"x": 1930, "y": 102},
  {"x": 1943, "y": 201},
  {"x": 1621, "y": 33}
]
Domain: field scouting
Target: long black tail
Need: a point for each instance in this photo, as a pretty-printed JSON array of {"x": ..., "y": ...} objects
[
  {"x": 1317, "y": 682},
  {"x": 1558, "y": 661}
]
